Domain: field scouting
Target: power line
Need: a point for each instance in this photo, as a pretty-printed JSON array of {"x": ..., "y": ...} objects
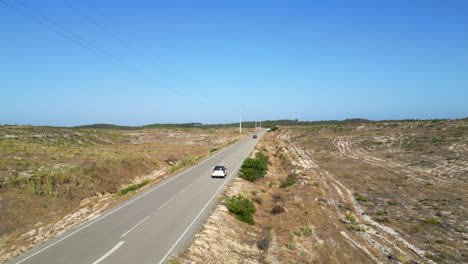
[
  {"x": 75, "y": 38},
  {"x": 84, "y": 15},
  {"x": 114, "y": 58},
  {"x": 78, "y": 40},
  {"x": 44, "y": 24},
  {"x": 121, "y": 40}
]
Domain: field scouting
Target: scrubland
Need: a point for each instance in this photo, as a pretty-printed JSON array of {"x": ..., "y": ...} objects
[
  {"x": 376, "y": 192},
  {"x": 52, "y": 179}
]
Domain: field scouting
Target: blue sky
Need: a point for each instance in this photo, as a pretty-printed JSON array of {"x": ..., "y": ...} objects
[{"x": 200, "y": 61}]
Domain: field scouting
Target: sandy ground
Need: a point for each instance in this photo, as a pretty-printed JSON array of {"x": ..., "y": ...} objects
[{"x": 362, "y": 192}]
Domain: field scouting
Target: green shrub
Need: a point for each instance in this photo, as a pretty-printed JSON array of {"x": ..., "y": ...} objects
[
  {"x": 360, "y": 198},
  {"x": 263, "y": 158},
  {"x": 350, "y": 217},
  {"x": 254, "y": 168},
  {"x": 290, "y": 180},
  {"x": 274, "y": 128},
  {"x": 303, "y": 231},
  {"x": 213, "y": 149},
  {"x": 242, "y": 208},
  {"x": 393, "y": 203},
  {"x": 432, "y": 221},
  {"x": 383, "y": 220},
  {"x": 133, "y": 187},
  {"x": 291, "y": 245}
]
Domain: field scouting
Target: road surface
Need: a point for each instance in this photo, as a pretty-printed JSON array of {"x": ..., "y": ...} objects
[{"x": 152, "y": 226}]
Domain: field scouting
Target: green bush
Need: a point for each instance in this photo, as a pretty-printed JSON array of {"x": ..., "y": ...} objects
[
  {"x": 133, "y": 187},
  {"x": 350, "y": 217},
  {"x": 432, "y": 221},
  {"x": 303, "y": 231},
  {"x": 242, "y": 208},
  {"x": 254, "y": 168},
  {"x": 290, "y": 180},
  {"x": 360, "y": 198},
  {"x": 213, "y": 149}
]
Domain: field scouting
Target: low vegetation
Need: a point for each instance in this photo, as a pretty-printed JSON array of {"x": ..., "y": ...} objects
[
  {"x": 48, "y": 173},
  {"x": 291, "y": 179},
  {"x": 254, "y": 168},
  {"x": 274, "y": 128},
  {"x": 133, "y": 187},
  {"x": 432, "y": 221},
  {"x": 183, "y": 163},
  {"x": 51, "y": 182},
  {"x": 242, "y": 208},
  {"x": 360, "y": 187}
]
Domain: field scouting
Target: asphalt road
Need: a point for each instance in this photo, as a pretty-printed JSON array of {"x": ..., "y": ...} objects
[{"x": 152, "y": 226}]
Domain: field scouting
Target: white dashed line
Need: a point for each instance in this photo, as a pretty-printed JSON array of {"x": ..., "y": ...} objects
[
  {"x": 166, "y": 202},
  {"x": 134, "y": 227},
  {"x": 109, "y": 252},
  {"x": 186, "y": 188},
  {"x": 195, "y": 219}
]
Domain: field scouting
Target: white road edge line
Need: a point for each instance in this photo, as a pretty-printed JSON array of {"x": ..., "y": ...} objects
[
  {"x": 130, "y": 202},
  {"x": 196, "y": 217},
  {"x": 139, "y": 223},
  {"x": 186, "y": 188},
  {"x": 109, "y": 252},
  {"x": 166, "y": 202}
]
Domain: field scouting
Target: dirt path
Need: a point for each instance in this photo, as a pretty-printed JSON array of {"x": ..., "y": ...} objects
[{"x": 377, "y": 237}]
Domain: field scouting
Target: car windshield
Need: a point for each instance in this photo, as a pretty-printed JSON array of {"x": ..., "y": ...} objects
[{"x": 219, "y": 168}]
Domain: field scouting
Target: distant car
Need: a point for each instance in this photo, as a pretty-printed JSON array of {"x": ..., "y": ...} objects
[
  {"x": 219, "y": 171},
  {"x": 254, "y": 136}
]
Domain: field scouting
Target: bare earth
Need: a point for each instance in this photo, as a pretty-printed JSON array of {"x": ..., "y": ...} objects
[{"x": 369, "y": 193}]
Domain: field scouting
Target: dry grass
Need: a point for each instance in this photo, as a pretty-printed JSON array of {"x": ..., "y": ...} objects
[
  {"x": 378, "y": 192},
  {"x": 48, "y": 173}
]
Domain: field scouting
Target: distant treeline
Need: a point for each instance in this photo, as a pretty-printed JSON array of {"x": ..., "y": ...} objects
[
  {"x": 110, "y": 126},
  {"x": 250, "y": 124}
]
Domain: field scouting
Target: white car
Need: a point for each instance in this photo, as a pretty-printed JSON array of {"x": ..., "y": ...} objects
[{"x": 219, "y": 171}]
